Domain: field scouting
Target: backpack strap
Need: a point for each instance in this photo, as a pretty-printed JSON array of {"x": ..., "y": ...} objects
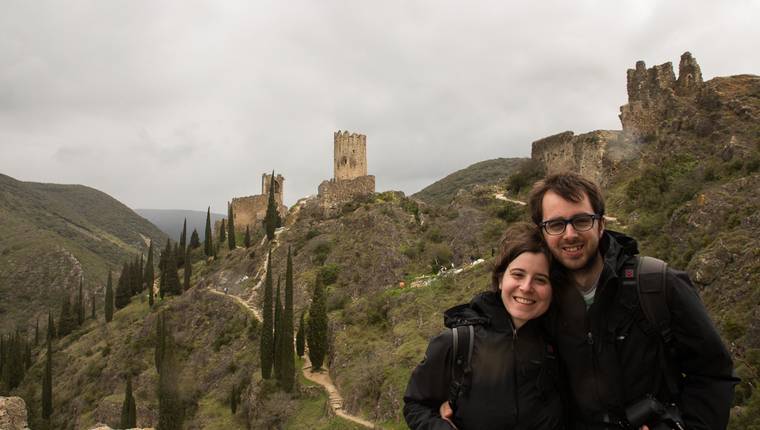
[
  {"x": 648, "y": 273},
  {"x": 463, "y": 338}
]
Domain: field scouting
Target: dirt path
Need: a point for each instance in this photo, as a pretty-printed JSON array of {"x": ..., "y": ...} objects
[
  {"x": 322, "y": 377},
  {"x": 240, "y": 301},
  {"x": 501, "y": 196}
]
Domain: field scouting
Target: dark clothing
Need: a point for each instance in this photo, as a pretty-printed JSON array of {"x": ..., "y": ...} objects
[
  {"x": 513, "y": 384},
  {"x": 610, "y": 355}
]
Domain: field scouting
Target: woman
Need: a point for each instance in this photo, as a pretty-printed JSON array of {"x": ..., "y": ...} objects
[{"x": 511, "y": 380}]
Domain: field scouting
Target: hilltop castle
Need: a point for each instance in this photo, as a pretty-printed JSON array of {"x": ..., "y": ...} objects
[
  {"x": 251, "y": 210},
  {"x": 350, "y": 178}
]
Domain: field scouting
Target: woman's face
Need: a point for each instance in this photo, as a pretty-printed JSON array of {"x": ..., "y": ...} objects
[{"x": 525, "y": 287}]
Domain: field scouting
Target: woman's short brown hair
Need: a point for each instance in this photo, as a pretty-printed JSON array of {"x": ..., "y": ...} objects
[{"x": 518, "y": 238}]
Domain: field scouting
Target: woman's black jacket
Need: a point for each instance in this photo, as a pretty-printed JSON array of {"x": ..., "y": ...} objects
[{"x": 513, "y": 384}]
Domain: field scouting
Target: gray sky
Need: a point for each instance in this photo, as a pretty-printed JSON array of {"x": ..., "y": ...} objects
[{"x": 184, "y": 104}]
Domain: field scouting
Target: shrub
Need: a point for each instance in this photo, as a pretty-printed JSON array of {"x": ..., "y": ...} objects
[
  {"x": 312, "y": 233},
  {"x": 440, "y": 256},
  {"x": 329, "y": 274},
  {"x": 320, "y": 253}
]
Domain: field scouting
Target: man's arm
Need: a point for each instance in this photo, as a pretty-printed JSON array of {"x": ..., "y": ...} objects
[
  {"x": 708, "y": 384},
  {"x": 428, "y": 387}
]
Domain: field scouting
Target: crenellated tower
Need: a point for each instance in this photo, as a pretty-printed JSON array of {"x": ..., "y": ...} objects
[{"x": 349, "y": 155}]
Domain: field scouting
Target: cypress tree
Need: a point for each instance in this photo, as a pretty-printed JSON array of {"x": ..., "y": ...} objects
[
  {"x": 266, "y": 349},
  {"x": 37, "y": 331},
  {"x": 183, "y": 243},
  {"x": 272, "y": 218},
  {"x": 316, "y": 330},
  {"x": 287, "y": 380},
  {"x": 171, "y": 280},
  {"x": 92, "y": 302},
  {"x": 170, "y": 412},
  {"x": 51, "y": 326},
  {"x": 247, "y": 240},
  {"x": 68, "y": 320},
  {"x": 160, "y": 345},
  {"x": 141, "y": 274},
  {"x": 109, "y": 299},
  {"x": 208, "y": 245},
  {"x": 47, "y": 383},
  {"x": 188, "y": 269},
  {"x": 80, "y": 303},
  {"x": 222, "y": 231},
  {"x": 195, "y": 241},
  {"x": 27, "y": 355},
  {"x": 300, "y": 344},
  {"x": 278, "y": 334},
  {"x": 234, "y": 398},
  {"x": 149, "y": 274},
  {"x": 123, "y": 288},
  {"x": 230, "y": 228},
  {"x": 128, "y": 407}
]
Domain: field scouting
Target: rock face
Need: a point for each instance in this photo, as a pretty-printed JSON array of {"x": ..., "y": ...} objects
[
  {"x": 595, "y": 155},
  {"x": 13, "y": 414}
]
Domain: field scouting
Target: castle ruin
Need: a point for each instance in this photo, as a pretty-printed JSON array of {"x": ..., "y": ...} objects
[
  {"x": 655, "y": 98},
  {"x": 251, "y": 210},
  {"x": 350, "y": 178}
]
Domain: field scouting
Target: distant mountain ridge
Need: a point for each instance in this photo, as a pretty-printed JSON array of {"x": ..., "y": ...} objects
[
  {"x": 486, "y": 172},
  {"x": 51, "y": 234},
  {"x": 170, "y": 220}
]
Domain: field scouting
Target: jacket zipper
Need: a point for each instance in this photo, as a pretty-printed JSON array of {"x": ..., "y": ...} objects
[{"x": 514, "y": 372}]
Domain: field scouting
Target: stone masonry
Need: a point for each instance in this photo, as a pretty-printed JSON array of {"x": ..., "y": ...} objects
[
  {"x": 654, "y": 93},
  {"x": 251, "y": 210},
  {"x": 350, "y": 172},
  {"x": 595, "y": 155}
]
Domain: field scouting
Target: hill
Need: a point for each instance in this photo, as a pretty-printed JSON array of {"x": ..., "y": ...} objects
[
  {"x": 52, "y": 234},
  {"x": 170, "y": 221},
  {"x": 486, "y": 172},
  {"x": 682, "y": 177}
]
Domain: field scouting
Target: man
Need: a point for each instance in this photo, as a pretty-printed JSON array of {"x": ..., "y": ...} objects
[{"x": 611, "y": 356}]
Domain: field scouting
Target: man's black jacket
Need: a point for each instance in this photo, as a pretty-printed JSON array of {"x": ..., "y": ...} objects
[{"x": 611, "y": 362}]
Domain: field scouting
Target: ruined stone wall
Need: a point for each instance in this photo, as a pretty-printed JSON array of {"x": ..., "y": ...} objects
[
  {"x": 279, "y": 186},
  {"x": 654, "y": 94},
  {"x": 334, "y": 192},
  {"x": 596, "y": 155},
  {"x": 249, "y": 210},
  {"x": 349, "y": 155}
]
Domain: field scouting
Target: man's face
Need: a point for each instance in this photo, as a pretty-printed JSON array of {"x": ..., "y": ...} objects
[{"x": 573, "y": 249}]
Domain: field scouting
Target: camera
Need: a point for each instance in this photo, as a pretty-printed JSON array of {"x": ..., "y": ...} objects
[{"x": 654, "y": 414}]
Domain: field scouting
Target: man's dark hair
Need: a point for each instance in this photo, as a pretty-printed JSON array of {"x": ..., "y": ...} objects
[
  {"x": 518, "y": 238},
  {"x": 570, "y": 186}
]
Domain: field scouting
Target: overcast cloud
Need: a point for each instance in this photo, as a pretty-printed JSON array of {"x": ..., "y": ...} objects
[{"x": 184, "y": 104}]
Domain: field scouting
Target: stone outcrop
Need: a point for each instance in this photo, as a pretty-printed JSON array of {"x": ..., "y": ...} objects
[
  {"x": 350, "y": 172},
  {"x": 13, "y": 414},
  {"x": 654, "y": 94},
  {"x": 596, "y": 155}
]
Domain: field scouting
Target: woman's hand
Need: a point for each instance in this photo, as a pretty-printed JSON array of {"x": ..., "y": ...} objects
[{"x": 447, "y": 413}]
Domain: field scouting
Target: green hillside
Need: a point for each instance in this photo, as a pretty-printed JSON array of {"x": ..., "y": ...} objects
[
  {"x": 50, "y": 234},
  {"x": 486, "y": 172}
]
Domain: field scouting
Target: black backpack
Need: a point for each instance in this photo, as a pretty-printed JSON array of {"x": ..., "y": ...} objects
[{"x": 647, "y": 275}]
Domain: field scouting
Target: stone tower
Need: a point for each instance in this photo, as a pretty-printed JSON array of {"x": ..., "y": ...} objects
[
  {"x": 350, "y": 155},
  {"x": 279, "y": 186}
]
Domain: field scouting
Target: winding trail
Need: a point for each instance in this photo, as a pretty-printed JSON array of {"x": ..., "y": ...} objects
[{"x": 321, "y": 377}]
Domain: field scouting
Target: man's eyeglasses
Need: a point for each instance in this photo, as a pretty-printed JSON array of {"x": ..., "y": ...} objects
[{"x": 582, "y": 222}]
